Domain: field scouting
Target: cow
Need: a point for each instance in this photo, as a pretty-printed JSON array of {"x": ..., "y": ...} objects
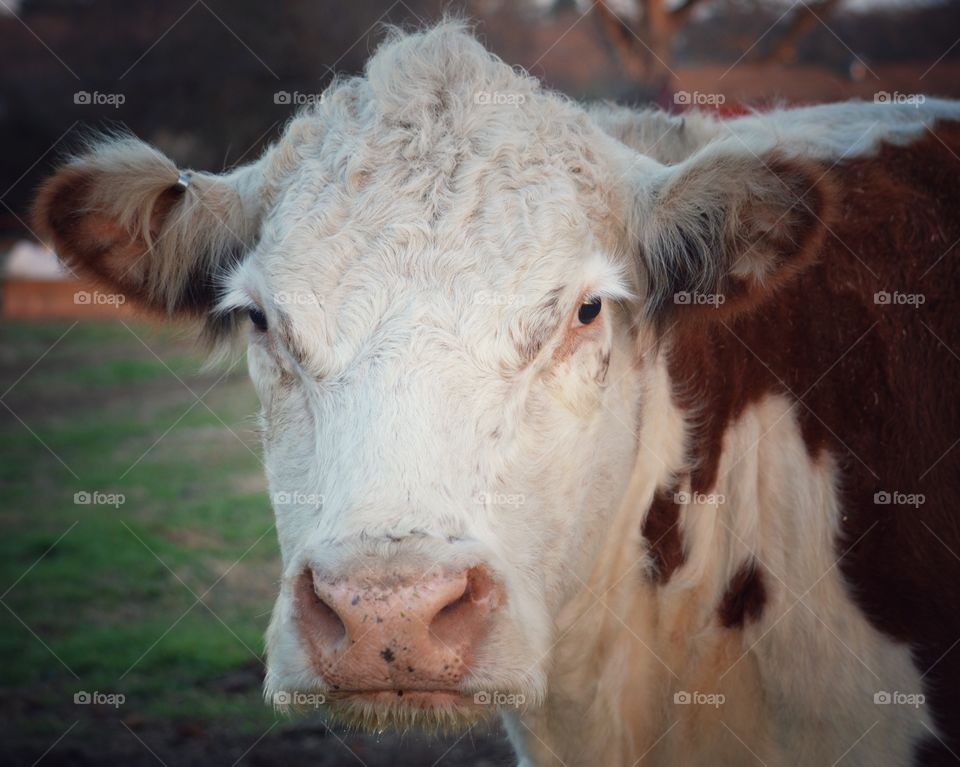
[{"x": 638, "y": 429}]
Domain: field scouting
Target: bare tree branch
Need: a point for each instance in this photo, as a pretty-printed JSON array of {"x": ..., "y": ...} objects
[
  {"x": 682, "y": 14},
  {"x": 632, "y": 56},
  {"x": 645, "y": 50},
  {"x": 802, "y": 23}
]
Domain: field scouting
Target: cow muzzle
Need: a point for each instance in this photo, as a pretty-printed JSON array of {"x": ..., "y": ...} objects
[{"x": 401, "y": 633}]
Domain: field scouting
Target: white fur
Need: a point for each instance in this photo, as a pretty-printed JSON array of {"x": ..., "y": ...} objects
[{"x": 824, "y": 132}]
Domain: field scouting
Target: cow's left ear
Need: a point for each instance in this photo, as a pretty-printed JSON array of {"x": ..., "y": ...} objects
[
  {"x": 721, "y": 231},
  {"x": 124, "y": 215}
]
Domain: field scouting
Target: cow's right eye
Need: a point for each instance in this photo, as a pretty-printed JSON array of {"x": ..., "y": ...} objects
[{"x": 258, "y": 318}]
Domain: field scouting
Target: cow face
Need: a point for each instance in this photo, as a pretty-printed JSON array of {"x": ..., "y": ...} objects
[
  {"x": 449, "y": 281},
  {"x": 435, "y": 366}
]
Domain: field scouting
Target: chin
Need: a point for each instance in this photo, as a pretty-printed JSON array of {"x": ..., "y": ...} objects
[{"x": 431, "y": 711}]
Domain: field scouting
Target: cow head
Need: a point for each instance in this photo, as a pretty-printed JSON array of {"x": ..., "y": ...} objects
[{"x": 451, "y": 283}]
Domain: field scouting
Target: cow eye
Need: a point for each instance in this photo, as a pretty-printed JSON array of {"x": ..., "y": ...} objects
[
  {"x": 258, "y": 318},
  {"x": 589, "y": 311}
]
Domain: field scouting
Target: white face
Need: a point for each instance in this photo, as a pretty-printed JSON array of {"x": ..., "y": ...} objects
[{"x": 446, "y": 384}]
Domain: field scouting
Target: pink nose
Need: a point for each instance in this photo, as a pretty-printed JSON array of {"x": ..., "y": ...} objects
[{"x": 404, "y": 633}]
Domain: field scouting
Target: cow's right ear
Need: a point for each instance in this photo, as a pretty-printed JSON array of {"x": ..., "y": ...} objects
[
  {"x": 720, "y": 232},
  {"x": 124, "y": 215}
]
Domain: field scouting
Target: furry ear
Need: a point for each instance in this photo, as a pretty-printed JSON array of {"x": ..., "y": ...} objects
[
  {"x": 719, "y": 232},
  {"x": 118, "y": 214}
]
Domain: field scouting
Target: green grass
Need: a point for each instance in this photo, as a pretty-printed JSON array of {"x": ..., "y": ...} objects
[
  {"x": 104, "y": 592},
  {"x": 114, "y": 372}
]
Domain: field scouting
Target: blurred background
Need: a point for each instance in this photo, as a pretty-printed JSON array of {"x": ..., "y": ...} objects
[{"x": 138, "y": 560}]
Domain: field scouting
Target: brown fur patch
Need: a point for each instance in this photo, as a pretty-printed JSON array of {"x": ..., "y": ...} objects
[
  {"x": 661, "y": 529},
  {"x": 878, "y": 385},
  {"x": 744, "y": 598}
]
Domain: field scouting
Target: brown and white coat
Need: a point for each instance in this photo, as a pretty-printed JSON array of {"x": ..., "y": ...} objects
[{"x": 714, "y": 523}]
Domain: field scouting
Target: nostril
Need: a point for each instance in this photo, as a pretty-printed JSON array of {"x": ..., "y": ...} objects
[
  {"x": 319, "y": 620},
  {"x": 479, "y": 584},
  {"x": 457, "y": 605},
  {"x": 460, "y": 620}
]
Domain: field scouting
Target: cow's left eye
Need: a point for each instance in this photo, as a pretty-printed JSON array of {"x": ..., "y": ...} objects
[
  {"x": 589, "y": 311},
  {"x": 258, "y": 318}
]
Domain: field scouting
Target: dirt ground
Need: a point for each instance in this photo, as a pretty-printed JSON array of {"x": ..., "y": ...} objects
[
  {"x": 306, "y": 745},
  {"x": 112, "y": 737}
]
